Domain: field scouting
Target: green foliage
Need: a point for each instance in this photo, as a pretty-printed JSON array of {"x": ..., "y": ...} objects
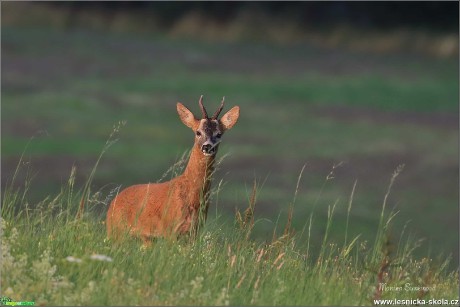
[{"x": 50, "y": 257}]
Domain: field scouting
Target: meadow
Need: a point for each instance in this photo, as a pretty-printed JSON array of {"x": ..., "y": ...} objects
[
  {"x": 347, "y": 119},
  {"x": 53, "y": 256}
]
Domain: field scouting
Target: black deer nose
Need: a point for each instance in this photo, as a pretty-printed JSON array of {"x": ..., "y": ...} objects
[{"x": 207, "y": 148}]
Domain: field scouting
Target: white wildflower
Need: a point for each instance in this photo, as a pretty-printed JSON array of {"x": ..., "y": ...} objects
[
  {"x": 222, "y": 298},
  {"x": 73, "y": 259},
  {"x": 101, "y": 257},
  {"x": 3, "y": 224},
  {"x": 197, "y": 283}
]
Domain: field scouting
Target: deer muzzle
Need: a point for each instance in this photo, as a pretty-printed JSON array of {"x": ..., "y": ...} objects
[{"x": 209, "y": 149}]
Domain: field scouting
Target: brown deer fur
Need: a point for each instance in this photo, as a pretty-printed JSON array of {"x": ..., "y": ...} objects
[{"x": 174, "y": 207}]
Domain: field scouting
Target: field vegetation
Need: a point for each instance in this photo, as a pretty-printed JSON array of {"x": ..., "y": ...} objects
[
  {"x": 52, "y": 255},
  {"x": 301, "y": 212}
]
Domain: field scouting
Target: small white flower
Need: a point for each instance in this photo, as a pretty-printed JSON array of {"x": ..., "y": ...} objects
[
  {"x": 73, "y": 259},
  {"x": 101, "y": 257}
]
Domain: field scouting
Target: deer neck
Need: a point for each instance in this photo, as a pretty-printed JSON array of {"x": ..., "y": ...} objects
[{"x": 199, "y": 170}]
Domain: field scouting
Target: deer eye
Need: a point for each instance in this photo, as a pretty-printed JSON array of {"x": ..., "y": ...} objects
[
  {"x": 198, "y": 133},
  {"x": 219, "y": 135}
]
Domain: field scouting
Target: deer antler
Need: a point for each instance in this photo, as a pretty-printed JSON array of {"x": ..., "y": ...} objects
[
  {"x": 219, "y": 110},
  {"x": 203, "y": 110}
]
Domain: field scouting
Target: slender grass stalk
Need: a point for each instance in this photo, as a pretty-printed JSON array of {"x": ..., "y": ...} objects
[
  {"x": 87, "y": 187},
  {"x": 350, "y": 201},
  {"x": 287, "y": 228},
  {"x": 330, "y": 214},
  {"x": 309, "y": 236},
  {"x": 13, "y": 199},
  {"x": 382, "y": 225}
]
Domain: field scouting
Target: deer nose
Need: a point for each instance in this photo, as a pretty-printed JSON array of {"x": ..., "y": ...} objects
[{"x": 208, "y": 149}]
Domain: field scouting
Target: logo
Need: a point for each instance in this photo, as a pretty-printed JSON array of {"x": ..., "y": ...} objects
[{"x": 7, "y": 301}]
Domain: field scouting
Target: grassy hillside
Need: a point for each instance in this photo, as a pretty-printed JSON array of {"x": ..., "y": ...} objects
[{"x": 51, "y": 257}]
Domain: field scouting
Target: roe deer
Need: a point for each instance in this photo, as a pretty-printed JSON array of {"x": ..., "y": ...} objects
[{"x": 173, "y": 208}]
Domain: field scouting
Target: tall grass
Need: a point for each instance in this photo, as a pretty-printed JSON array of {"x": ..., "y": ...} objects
[{"x": 52, "y": 256}]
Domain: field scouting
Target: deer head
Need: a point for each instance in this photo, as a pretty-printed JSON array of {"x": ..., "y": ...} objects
[{"x": 208, "y": 131}]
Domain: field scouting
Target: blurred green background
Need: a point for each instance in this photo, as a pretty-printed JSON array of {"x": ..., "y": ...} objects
[{"x": 352, "y": 88}]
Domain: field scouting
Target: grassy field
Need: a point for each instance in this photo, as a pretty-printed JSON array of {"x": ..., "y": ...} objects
[
  {"x": 51, "y": 257},
  {"x": 348, "y": 117}
]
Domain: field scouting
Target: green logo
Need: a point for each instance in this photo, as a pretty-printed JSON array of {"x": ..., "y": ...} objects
[{"x": 6, "y": 301}]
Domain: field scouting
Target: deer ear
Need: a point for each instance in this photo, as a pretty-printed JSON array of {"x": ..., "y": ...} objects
[
  {"x": 230, "y": 118},
  {"x": 186, "y": 116}
]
